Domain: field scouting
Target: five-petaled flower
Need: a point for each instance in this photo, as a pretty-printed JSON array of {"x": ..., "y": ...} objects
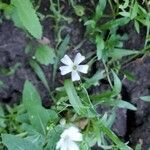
[
  {"x": 73, "y": 66},
  {"x": 69, "y": 138}
]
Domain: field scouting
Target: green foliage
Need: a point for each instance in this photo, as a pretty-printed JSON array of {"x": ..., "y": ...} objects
[
  {"x": 39, "y": 116},
  {"x": 13, "y": 142},
  {"x": 31, "y": 126},
  {"x": 53, "y": 137},
  {"x": 2, "y": 118},
  {"x": 45, "y": 54},
  {"x": 9, "y": 71},
  {"x": 37, "y": 69},
  {"x": 25, "y": 16},
  {"x": 60, "y": 52},
  {"x": 145, "y": 98},
  {"x": 73, "y": 97}
]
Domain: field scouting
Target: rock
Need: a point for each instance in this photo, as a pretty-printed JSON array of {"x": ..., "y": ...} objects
[
  {"x": 141, "y": 87},
  {"x": 141, "y": 135}
]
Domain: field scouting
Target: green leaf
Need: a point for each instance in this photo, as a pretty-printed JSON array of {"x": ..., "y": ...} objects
[
  {"x": 125, "y": 104},
  {"x": 137, "y": 26},
  {"x": 30, "y": 95},
  {"x": 124, "y": 13},
  {"x": 73, "y": 97},
  {"x": 138, "y": 147},
  {"x": 1, "y": 84},
  {"x": 117, "y": 83},
  {"x": 9, "y": 71},
  {"x": 45, "y": 55},
  {"x": 16, "y": 143},
  {"x": 119, "y": 53},
  {"x": 145, "y": 98},
  {"x": 38, "y": 115},
  {"x": 39, "y": 118},
  {"x": 33, "y": 136},
  {"x": 114, "y": 23},
  {"x": 100, "y": 45},
  {"x": 129, "y": 75},
  {"x": 28, "y": 17},
  {"x": 94, "y": 80},
  {"x": 99, "y": 9},
  {"x": 2, "y": 119},
  {"x": 37, "y": 69},
  {"x": 53, "y": 137},
  {"x": 134, "y": 11},
  {"x": 15, "y": 17},
  {"x": 113, "y": 137},
  {"x": 3, "y": 6}
]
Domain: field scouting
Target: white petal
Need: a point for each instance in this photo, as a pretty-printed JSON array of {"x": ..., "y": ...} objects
[
  {"x": 75, "y": 76},
  {"x": 59, "y": 144},
  {"x": 83, "y": 68},
  {"x": 65, "y": 69},
  {"x": 73, "y": 129},
  {"x": 76, "y": 137},
  {"x": 64, "y": 147},
  {"x": 73, "y": 146},
  {"x": 74, "y": 134},
  {"x": 78, "y": 59},
  {"x": 66, "y": 60}
]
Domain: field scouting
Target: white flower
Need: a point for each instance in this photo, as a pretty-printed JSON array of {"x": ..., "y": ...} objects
[
  {"x": 73, "y": 67},
  {"x": 69, "y": 138}
]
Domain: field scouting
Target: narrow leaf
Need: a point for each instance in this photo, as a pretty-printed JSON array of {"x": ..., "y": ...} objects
[
  {"x": 117, "y": 83},
  {"x": 119, "y": 53},
  {"x": 37, "y": 69},
  {"x": 125, "y": 104},
  {"x": 100, "y": 45},
  {"x": 73, "y": 97},
  {"x": 145, "y": 98}
]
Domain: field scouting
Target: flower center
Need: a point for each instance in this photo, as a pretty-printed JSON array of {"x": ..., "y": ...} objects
[{"x": 74, "y": 67}]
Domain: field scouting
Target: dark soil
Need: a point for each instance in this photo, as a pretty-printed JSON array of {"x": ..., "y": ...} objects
[
  {"x": 129, "y": 125},
  {"x": 12, "y": 45}
]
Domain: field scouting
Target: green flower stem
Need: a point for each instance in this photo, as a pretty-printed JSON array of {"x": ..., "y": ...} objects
[{"x": 107, "y": 74}]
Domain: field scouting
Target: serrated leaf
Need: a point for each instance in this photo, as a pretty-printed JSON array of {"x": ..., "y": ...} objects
[
  {"x": 45, "y": 55},
  {"x": 28, "y": 17},
  {"x": 16, "y": 143}
]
